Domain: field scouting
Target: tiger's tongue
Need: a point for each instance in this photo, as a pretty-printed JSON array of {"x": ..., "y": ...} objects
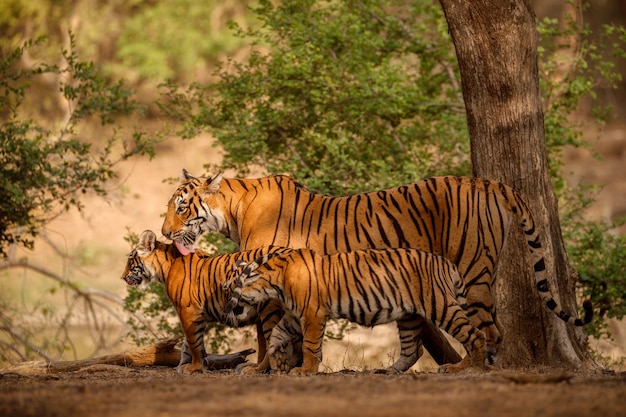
[{"x": 183, "y": 250}]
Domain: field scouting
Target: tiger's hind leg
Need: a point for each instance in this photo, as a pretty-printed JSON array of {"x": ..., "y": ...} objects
[
  {"x": 185, "y": 354},
  {"x": 410, "y": 333},
  {"x": 285, "y": 345},
  {"x": 481, "y": 311},
  {"x": 269, "y": 316},
  {"x": 472, "y": 339},
  {"x": 262, "y": 364}
]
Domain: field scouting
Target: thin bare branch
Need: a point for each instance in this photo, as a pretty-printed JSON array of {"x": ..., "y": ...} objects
[{"x": 14, "y": 333}]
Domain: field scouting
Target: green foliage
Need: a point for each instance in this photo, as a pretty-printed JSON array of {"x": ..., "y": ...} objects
[
  {"x": 575, "y": 63},
  {"x": 350, "y": 96},
  {"x": 158, "y": 315},
  {"x": 20, "y": 18},
  {"x": 175, "y": 39},
  {"x": 598, "y": 253},
  {"x": 48, "y": 162},
  {"x": 45, "y": 171}
]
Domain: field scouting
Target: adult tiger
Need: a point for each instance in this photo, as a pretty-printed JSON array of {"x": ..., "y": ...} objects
[
  {"x": 463, "y": 219},
  {"x": 194, "y": 283},
  {"x": 368, "y": 287}
]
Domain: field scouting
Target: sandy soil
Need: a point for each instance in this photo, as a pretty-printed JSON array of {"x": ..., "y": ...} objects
[{"x": 157, "y": 391}]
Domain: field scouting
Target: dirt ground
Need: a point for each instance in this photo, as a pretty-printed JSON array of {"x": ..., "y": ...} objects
[{"x": 106, "y": 390}]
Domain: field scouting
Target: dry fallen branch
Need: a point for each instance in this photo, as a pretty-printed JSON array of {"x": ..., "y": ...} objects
[
  {"x": 89, "y": 306},
  {"x": 162, "y": 354}
]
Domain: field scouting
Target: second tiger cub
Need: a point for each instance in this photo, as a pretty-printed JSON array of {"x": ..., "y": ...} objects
[{"x": 368, "y": 287}]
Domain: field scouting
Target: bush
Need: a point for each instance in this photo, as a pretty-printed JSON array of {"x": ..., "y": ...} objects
[
  {"x": 47, "y": 165},
  {"x": 45, "y": 171},
  {"x": 575, "y": 63},
  {"x": 347, "y": 96}
]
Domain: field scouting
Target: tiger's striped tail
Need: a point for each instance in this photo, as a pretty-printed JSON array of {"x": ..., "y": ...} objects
[{"x": 537, "y": 253}]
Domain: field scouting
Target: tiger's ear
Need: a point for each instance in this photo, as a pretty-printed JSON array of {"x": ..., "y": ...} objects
[
  {"x": 147, "y": 243},
  {"x": 211, "y": 185},
  {"x": 185, "y": 176},
  {"x": 234, "y": 275},
  {"x": 249, "y": 276}
]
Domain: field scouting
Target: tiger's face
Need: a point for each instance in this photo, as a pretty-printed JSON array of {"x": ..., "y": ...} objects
[
  {"x": 248, "y": 293},
  {"x": 241, "y": 313},
  {"x": 143, "y": 265},
  {"x": 193, "y": 211},
  {"x": 137, "y": 273}
]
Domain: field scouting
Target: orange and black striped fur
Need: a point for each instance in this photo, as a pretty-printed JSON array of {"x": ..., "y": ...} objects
[
  {"x": 368, "y": 287},
  {"x": 466, "y": 220},
  {"x": 194, "y": 283}
]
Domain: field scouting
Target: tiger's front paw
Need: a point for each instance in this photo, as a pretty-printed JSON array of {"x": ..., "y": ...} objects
[
  {"x": 281, "y": 362},
  {"x": 249, "y": 369},
  {"x": 450, "y": 368},
  {"x": 302, "y": 371},
  {"x": 189, "y": 368}
]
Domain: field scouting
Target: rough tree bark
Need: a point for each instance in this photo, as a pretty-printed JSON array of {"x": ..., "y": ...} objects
[{"x": 496, "y": 47}]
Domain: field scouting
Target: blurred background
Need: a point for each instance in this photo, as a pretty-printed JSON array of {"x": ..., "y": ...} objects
[{"x": 64, "y": 297}]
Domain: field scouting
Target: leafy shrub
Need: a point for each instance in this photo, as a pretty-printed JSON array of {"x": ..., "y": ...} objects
[
  {"x": 575, "y": 63},
  {"x": 347, "y": 96},
  {"x": 45, "y": 171},
  {"x": 47, "y": 165}
]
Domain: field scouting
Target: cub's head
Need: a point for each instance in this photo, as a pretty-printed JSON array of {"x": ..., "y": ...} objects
[
  {"x": 249, "y": 287},
  {"x": 193, "y": 210},
  {"x": 149, "y": 260},
  {"x": 243, "y": 300}
]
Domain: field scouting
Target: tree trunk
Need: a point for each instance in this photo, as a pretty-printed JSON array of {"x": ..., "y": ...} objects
[{"x": 496, "y": 47}]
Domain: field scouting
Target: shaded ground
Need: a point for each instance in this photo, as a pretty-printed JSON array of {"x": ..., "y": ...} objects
[{"x": 105, "y": 390}]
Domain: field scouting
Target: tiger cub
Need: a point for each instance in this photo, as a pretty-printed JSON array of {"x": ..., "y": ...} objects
[
  {"x": 194, "y": 283},
  {"x": 368, "y": 287}
]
